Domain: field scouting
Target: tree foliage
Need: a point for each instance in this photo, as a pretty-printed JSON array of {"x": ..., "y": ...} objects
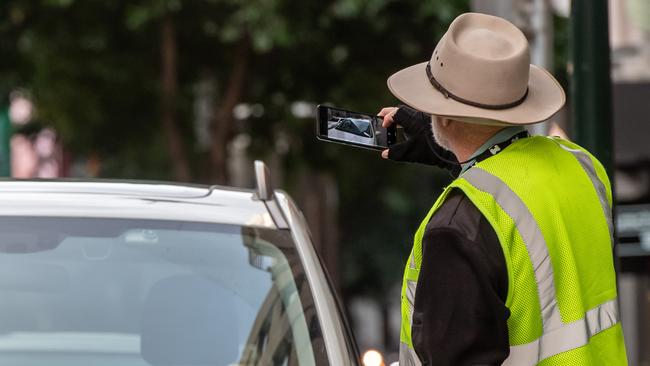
[{"x": 97, "y": 72}]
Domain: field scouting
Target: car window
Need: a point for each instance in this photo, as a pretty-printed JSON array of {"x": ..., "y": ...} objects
[
  {"x": 347, "y": 126},
  {"x": 79, "y": 291},
  {"x": 357, "y": 127},
  {"x": 363, "y": 126}
]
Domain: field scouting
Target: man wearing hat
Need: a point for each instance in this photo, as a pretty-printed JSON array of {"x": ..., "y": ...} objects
[{"x": 513, "y": 263}]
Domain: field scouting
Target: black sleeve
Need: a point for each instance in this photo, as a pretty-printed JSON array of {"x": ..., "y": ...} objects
[
  {"x": 460, "y": 317},
  {"x": 420, "y": 146}
]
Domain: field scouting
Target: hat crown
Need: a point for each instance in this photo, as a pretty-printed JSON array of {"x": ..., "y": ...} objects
[
  {"x": 480, "y": 72},
  {"x": 482, "y": 59}
]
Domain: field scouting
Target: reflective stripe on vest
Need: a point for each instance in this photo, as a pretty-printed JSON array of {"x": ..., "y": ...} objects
[
  {"x": 557, "y": 337},
  {"x": 407, "y": 356},
  {"x": 532, "y": 236},
  {"x": 569, "y": 336}
]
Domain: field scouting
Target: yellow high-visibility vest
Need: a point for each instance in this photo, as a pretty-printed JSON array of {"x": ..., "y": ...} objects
[{"x": 550, "y": 204}]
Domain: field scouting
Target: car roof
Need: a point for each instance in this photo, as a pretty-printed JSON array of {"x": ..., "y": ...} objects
[{"x": 133, "y": 200}]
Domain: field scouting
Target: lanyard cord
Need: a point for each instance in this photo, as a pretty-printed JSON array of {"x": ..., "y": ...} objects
[{"x": 493, "y": 150}]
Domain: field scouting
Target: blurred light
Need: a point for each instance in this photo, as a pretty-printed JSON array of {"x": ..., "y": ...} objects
[
  {"x": 21, "y": 110},
  {"x": 301, "y": 109},
  {"x": 562, "y": 7},
  {"x": 48, "y": 169},
  {"x": 45, "y": 143},
  {"x": 372, "y": 358},
  {"x": 241, "y": 141},
  {"x": 24, "y": 160},
  {"x": 282, "y": 144},
  {"x": 257, "y": 110},
  {"x": 242, "y": 111}
]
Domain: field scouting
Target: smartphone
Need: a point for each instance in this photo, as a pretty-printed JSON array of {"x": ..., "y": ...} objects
[{"x": 353, "y": 128}]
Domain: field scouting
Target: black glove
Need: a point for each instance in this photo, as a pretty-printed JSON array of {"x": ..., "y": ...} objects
[{"x": 420, "y": 146}]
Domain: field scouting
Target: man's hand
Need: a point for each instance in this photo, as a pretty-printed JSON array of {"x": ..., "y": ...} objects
[
  {"x": 388, "y": 114},
  {"x": 420, "y": 146}
]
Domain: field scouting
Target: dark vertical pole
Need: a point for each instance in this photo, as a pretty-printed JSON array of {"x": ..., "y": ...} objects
[
  {"x": 591, "y": 100},
  {"x": 5, "y": 139}
]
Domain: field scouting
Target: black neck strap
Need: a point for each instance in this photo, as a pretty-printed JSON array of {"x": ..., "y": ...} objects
[
  {"x": 449, "y": 94},
  {"x": 493, "y": 150},
  {"x": 497, "y": 148}
]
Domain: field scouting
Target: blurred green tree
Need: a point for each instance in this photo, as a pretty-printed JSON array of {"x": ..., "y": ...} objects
[{"x": 118, "y": 79}]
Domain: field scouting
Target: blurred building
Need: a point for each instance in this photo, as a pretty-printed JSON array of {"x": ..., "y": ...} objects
[{"x": 630, "y": 47}]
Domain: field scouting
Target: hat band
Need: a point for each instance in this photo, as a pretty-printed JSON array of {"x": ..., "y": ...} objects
[{"x": 449, "y": 94}]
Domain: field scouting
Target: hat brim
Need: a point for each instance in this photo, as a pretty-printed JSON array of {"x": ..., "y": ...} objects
[{"x": 545, "y": 97}]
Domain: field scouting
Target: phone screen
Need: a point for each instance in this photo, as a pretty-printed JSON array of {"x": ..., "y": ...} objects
[{"x": 354, "y": 128}]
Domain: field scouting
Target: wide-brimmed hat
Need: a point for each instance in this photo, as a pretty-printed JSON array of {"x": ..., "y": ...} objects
[{"x": 480, "y": 72}]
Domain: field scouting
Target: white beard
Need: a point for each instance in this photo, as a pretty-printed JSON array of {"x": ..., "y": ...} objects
[{"x": 438, "y": 135}]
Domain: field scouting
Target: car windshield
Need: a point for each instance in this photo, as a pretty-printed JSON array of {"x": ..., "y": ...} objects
[
  {"x": 357, "y": 127},
  {"x": 82, "y": 291},
  {"x": 363, "y": 126}
]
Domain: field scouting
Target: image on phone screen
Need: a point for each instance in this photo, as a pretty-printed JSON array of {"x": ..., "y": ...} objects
[{"x": 353, "y": 128}]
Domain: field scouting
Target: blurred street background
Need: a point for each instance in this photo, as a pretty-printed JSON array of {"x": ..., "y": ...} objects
[{"x": 194, "y": 91}]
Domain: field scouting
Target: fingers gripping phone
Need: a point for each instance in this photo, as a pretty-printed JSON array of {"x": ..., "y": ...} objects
[{"x": 353, "y": 128}]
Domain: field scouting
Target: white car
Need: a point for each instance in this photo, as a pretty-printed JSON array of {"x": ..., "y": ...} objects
[
  {"x": 137, "y": 274},
  {"x": 353, "y": 130}
]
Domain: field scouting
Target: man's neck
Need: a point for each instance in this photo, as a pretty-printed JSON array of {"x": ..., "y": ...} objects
[
  {"x": 465, "y": 148},
  {"x": 464, "y": 151}
]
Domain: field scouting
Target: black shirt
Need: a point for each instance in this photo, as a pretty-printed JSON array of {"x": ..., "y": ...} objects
[
  {"x": 459, "y": 316},
  {"x": 459, "y": 313}
]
